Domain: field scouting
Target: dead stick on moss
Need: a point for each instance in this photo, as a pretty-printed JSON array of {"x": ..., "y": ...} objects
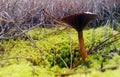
[
  {"x": 102, "y": 43},
  {"x": 70, "y": 42},
  {"x": 64, "y": 62},
  {"x": 86, "y": 72},
  {"x": 32, "y": 41},
  {"x": 108, "y": 43},
  {"x": 14, "y": 58}
]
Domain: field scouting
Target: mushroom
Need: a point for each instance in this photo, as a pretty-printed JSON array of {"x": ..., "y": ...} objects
[{"x": 78, "y": 22}]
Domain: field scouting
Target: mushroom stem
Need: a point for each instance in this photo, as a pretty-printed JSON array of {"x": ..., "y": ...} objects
[{"x": 82, "y": 45}]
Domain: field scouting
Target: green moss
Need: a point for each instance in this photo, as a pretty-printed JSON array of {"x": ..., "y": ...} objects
[
  {"x": 16, "y": 70},
  {"x": 25, "y": 69},
  {"x": 53, "y": 47}
]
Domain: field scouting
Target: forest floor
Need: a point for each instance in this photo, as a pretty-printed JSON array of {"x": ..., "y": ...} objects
[{"x": 55, "y": 53}]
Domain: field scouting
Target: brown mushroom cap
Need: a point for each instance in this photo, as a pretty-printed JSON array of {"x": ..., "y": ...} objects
[{"x": 80, "y": 20}]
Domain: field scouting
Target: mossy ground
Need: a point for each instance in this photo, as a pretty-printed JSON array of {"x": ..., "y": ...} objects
[{"x": 21, "y": 58}]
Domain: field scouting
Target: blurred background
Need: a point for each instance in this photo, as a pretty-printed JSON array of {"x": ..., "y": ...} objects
[{"x": 28, "y": 13}]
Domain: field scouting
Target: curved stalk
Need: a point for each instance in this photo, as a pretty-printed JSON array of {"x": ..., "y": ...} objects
[{"x": 82, "y": 45}]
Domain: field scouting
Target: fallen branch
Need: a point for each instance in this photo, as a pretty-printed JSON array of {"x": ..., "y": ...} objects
[
  {"x": 63, "y": 61},
  {"x": 8, "y": 21},
  {"x": 87, "y": 72},
  {"x": 16, "y": 57},
  {"x": 104, "y": 43},
  {"x": 54, "y": 19},
  {"x": 23, "y": 32}
]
